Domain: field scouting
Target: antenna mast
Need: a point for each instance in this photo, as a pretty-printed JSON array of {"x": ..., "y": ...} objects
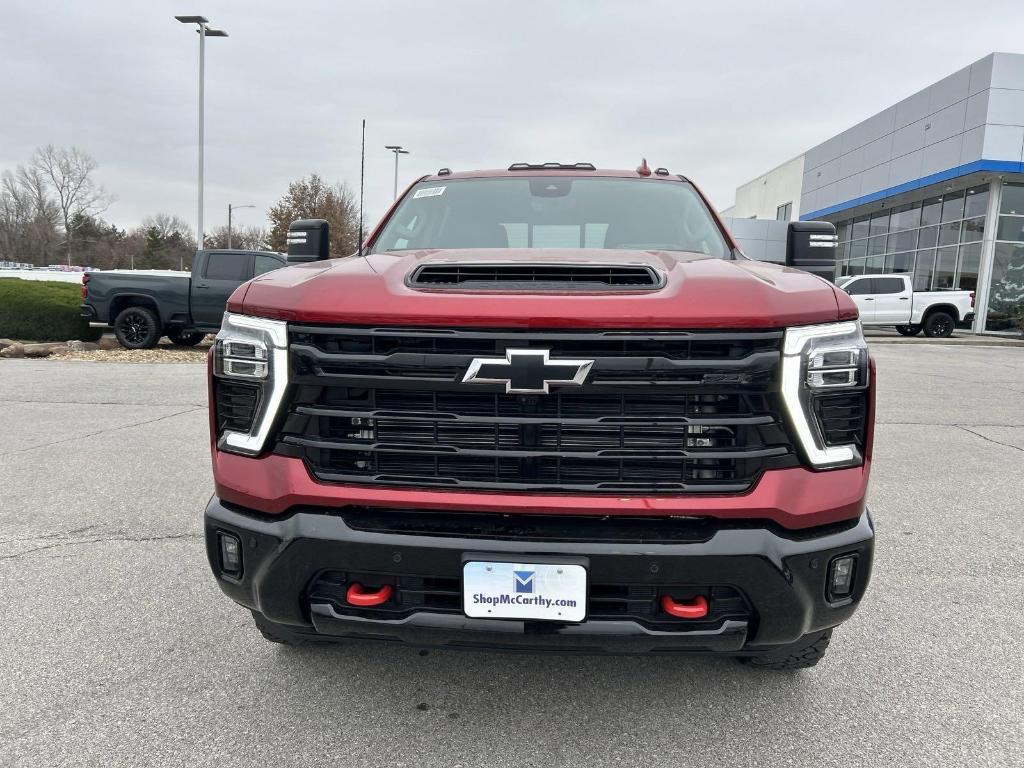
[{"x": 362, "y": 173}]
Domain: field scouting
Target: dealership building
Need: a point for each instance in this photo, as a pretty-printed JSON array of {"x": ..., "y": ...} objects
[{"x": 932, "y": 186}]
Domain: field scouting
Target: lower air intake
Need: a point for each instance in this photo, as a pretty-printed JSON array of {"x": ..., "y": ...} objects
[
  {"x": 236, "y": 405},
  {"x": 842, "y": 418}
]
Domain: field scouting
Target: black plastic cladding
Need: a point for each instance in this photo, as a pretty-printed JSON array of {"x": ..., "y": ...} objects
[
  {"x": 610, "y": 601},
  {"x": 668, "y": 412}
]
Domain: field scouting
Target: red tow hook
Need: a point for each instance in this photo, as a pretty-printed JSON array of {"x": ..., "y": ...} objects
[
  {"x": 357, "y": 595},
  {"x": 692, "y": 609}
]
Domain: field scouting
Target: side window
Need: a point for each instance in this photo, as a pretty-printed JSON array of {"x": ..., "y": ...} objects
[
  {"x": 266, "y": 264},
  {"x": 858, "y": 287},
  {"x": 228, "y": 266},
  {"x": 888, "y": 285}
]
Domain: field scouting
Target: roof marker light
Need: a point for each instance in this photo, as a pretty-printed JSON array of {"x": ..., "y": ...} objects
[
  {"x": 552, "y": 166},
  {"x": 644, "y": 169}
]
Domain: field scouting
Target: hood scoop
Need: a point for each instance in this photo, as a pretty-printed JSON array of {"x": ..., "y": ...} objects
[{"x": 527, "y": 276}]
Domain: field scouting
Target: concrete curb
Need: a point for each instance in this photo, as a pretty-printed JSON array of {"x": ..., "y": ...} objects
[{"x": 953, "y": 341}]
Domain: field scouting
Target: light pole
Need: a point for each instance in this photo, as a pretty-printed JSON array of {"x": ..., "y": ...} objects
[
  {"x": 204, "y": 32},
  {"x": 230, "y": 209},
  {"x": 398, "y": 151}
]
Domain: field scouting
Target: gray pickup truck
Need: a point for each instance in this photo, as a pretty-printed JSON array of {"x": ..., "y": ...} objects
[{"x": 143, "y": 306}]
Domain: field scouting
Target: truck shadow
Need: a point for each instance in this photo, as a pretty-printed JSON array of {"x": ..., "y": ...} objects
[{"x": 492, "y": 692}]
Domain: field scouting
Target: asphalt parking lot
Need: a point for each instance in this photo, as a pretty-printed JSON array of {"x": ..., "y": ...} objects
[{"x": 117, "y": 648}]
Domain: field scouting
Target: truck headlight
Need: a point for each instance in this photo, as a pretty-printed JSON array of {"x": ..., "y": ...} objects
[
  {"x": 250, "y": 363},
  {"x": 824, "y": 387}
]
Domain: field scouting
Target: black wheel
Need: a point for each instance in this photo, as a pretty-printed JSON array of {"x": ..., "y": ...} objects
[
  {"x": 137, "y": 328},
  {"x": 939, "y": 325},
  {"x": 806, "y": 652},
  {"x": 182, "y": 339},
  {"x": 908, "y": 330}
]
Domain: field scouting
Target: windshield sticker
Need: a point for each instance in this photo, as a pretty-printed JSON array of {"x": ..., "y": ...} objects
[{"x": 429, "y": 192}]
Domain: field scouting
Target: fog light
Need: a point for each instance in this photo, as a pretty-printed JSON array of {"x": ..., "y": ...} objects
[
  {"x": 840, "y": 577},
  {"x": 230, "y": 554}
]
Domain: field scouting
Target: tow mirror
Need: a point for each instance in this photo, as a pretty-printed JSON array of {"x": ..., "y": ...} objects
[
  {"x": 811, "y": 246},
  {"x": 309, "y": 240}
]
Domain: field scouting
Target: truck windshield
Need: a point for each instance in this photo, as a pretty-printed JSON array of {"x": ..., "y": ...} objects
[{"x": 553, "y": 212}]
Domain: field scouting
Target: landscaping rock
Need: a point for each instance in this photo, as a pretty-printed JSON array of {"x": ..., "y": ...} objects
[
  {"x": 4, "y": 343},
  {"x": 13, "y": 350},
  {"x": 162, "y": 354},
  {"x": 108, "y": 341},
  {"x": 44, "y": 350},
  {"x": 82, "y": 346}
]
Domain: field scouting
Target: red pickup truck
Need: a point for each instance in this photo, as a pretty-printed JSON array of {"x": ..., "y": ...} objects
[{"x": 548, "y": 408}]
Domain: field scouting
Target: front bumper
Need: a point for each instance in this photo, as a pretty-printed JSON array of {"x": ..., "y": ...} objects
[{"x": 780, "y": 576}]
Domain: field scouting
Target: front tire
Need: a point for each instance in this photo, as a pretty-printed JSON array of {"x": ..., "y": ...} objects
[
  {"x": 137, "y": 328},
  {"x": 908, "y": 330},
  {"x": 804, "y": 653},
  {"x": 939, "y": 325},
  {"x": 182, "y": 339}
]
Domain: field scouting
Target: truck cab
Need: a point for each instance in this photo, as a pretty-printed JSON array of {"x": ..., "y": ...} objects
[{"x": 215, "y": 276}]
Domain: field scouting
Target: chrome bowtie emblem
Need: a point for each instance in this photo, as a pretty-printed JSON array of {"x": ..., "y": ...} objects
[{"x": 527, "y": 371}]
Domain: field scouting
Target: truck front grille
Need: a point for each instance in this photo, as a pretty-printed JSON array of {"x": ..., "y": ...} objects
[{"x": 660, "y": 412}]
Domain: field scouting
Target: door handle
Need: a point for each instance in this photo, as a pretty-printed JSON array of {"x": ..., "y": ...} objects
[
  {"x": 868, "y": 298},
  {"x": 904, "y": 298},
  {"x": 202, "y": 287}
]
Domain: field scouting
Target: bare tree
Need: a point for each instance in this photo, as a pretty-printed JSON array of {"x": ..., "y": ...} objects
[
  {"x": 28, "y": 217},
  {"x": 69, "y": 172},
  {"x": 34, "y": 188},
  {"x": 168, "y": 225},
  {"x": 247, "y": 238},
  {"x": 167, "y": 243}
]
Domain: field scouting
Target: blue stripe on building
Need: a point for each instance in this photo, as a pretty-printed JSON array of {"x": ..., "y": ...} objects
[{"x": 997, "y": 166}]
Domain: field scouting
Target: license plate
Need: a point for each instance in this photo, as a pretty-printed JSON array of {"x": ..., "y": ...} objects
[{"x": 544, "y": 591}]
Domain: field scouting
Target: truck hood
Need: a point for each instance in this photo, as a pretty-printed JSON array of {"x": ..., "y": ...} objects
[{"x": 698, "y": 292}]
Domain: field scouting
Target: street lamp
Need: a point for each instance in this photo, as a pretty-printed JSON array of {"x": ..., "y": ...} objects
[
  {"x": 398, "y": 151},
  {"x": 230, "y": 209},
  {"x": 204, "y": 32}
]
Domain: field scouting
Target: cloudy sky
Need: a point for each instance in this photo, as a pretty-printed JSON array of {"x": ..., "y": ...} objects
[{"x": 719, "y": 91}]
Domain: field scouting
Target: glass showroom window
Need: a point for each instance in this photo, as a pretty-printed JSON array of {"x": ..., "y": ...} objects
[
  {"x": 924, "y": 270},
  {"x": 1006, "y": 287},
  {"x": 938, "y": 240}
]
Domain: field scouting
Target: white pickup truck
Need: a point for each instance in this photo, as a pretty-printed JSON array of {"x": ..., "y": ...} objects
[{"x": 891, "y": 300}]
